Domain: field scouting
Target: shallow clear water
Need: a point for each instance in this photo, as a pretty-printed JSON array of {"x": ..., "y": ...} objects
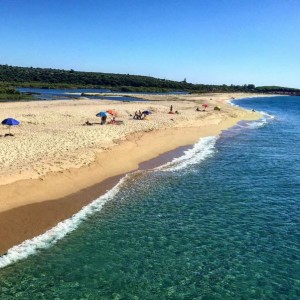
[{"x": 223, "y": 227}]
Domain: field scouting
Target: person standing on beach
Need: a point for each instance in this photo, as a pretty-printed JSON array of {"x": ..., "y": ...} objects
[
  {"x": 103, "y": 120},
  {"x": 171, "y": 108}
]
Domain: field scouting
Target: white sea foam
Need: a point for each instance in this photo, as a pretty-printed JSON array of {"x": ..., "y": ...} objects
[
  {"x": 266, "y": 115},
  {"x": 259, "y": 123},
  {"x": 50, "y": 237},
  {"x": 203, "y": 149},
  {"x": 231, "y": 103},
  {"x": 266, "y": 118}
]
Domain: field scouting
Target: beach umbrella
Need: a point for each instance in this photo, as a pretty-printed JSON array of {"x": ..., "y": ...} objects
[
  {"x": 205, "y": 105},
  {"x": 147, "y": 112},
  {"x": 112, "y": 112},
  {"x": 10, "y": 122},
  {"x": 101, "y": 114}
]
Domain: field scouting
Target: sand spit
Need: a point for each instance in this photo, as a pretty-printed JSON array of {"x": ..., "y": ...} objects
[
  {"x": 52, "y": 137},
  {"x": 52, "y": 155}
]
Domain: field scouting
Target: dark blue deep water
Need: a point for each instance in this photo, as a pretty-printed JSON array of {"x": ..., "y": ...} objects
[{"x": 219, "y": 224}]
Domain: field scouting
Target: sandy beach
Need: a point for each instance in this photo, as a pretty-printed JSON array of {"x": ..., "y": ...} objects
[{"x": 54, "y": 164}]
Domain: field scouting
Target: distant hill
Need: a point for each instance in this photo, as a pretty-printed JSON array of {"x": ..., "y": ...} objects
[
  {"x": 48, "y": 78},
  {"x": 277, "y": 89},
  {"x": 12, "y": 77}
]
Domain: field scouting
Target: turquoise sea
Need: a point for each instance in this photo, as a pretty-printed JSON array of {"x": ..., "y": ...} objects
[{"x": 220, "y": 222}]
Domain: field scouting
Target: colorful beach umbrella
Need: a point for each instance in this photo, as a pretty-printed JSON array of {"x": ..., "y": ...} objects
[
  {"x": 101, "y": 114},
  {"x": 112, "y": 112},
  {"x": 10, "y": 122}
]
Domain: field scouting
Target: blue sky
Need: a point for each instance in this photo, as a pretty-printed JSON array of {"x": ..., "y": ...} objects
[{"x": 204, "y": 41}]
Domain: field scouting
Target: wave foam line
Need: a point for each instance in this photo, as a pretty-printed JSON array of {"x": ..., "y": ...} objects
[
  {"x": 232, "y": 104},
  {"x": 256, "y": 124},
  {"x": 53, "y": 235},
  {"x": 267, "y": 118},
  {"x": 259, "y": 123},
  {"x": 203, "y": 149}
]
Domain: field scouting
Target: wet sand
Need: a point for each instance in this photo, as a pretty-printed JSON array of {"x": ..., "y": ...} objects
[{"x": 25, "y": 222}]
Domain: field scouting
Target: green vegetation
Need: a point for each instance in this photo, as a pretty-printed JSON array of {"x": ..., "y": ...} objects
[
  {"x": 12, "y": 77},
  {"x": 8, "y": 92},
  {"x": 278, "y": 89}
]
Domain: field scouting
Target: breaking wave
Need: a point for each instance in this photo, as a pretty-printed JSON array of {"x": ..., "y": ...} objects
[
  {"x": 53, "y": 235},
  {"x": 203, "y": 149}
]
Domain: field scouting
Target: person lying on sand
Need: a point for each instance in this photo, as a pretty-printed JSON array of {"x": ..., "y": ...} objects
[
  {"x": 112, "y": 121},
  {"x": 115, "y": 122},
  {"x": 172, "y": 113}
]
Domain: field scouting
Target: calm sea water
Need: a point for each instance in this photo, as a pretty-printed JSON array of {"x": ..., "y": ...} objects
[
  {"x": 222, "y": 222},
  {"x": 65, "y": 94}
]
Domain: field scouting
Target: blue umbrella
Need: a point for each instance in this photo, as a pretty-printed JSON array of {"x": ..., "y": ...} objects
[
  {"x": 10, "y": 122},
  {"x": 147, "y": 112},
  {"x": 101, "y": 114}
]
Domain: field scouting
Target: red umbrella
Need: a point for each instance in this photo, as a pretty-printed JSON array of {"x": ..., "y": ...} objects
[
  {"x": 205, "y": 105},
  {"x": 112, "y": 112}
]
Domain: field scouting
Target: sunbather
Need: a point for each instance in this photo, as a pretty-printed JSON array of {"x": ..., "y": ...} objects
[{"x": 136, "y": 115}]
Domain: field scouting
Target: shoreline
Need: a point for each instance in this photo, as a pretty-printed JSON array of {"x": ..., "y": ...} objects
[
  {"x": 58, "y": 210},
  {"x": 41, "y": 205}
]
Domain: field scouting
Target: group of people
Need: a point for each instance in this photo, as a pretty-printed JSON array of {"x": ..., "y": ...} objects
[
  {"x": 112, "y": 120},
  {"x": 103, "y": 121},
  {"x": 138, "y": 115}
]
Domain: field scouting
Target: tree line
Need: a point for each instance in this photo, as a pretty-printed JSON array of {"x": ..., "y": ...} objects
[{"x": 12, "y": 77}]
